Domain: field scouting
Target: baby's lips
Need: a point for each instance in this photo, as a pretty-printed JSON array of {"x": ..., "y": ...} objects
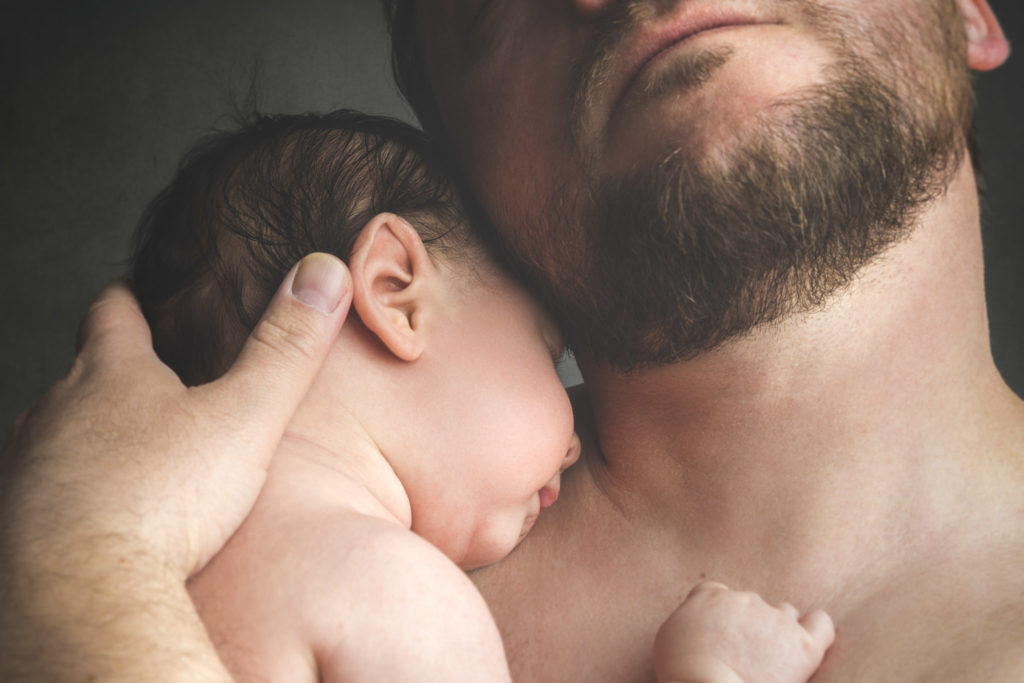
[
  {"x": 573, "y": 453},
  {"x": 549, "y": 494}
]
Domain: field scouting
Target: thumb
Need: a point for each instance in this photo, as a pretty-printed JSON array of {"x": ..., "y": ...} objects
[{"x": 287, "y": 347}]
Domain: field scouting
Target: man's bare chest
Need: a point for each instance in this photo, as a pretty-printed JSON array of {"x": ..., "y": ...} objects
[
  {"x": 592, "y": 617},
  {"x": 601, "y": 635}
]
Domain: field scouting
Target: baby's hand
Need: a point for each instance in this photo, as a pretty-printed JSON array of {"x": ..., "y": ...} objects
[{"x": 723, "y": 636}]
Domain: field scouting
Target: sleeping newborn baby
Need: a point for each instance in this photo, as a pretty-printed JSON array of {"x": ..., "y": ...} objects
[{"x": 432, "y": 439}]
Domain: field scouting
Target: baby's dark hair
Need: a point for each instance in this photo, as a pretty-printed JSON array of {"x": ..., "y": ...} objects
[{"x": 246, "y": 205}]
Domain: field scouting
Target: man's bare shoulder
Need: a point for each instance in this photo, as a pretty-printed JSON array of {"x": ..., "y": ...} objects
[
  {"x": 927, "y": 642},
  {"x": 987, "y": 642},
  {"x": 956, "y": 616}
]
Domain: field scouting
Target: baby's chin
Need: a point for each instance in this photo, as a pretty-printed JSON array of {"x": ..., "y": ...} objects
[
  {"x": 499, "y": 551},
  {"x": 528, "y": 523}
]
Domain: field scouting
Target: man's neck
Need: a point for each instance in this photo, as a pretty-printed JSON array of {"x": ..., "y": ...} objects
[{"x": 841, "y": 438}]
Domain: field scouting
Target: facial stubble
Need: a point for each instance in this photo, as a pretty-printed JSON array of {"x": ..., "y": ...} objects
[{"x": 689, "y": 253}]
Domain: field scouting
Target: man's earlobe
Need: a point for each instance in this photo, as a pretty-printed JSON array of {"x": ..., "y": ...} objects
[
  {"x": 392, "y": 278},
  {"x": 987, "y": 47}
]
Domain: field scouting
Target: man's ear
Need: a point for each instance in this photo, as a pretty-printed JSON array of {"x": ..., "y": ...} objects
[
  {"x": 392, "y": 281},
  {"x": 987, "y": 47}
]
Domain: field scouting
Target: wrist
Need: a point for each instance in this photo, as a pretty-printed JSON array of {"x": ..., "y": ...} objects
[
  {"x": 697, "y": 669},
  {"x": 94, "y": 608}
]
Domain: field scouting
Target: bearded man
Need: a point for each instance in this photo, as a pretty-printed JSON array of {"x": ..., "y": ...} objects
[{"x": 758, "y": 222}]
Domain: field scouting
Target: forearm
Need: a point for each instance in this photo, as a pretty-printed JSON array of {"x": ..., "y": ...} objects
[
  {"x": 91, "y": 612},
  {"x": 121, "y": 482}
]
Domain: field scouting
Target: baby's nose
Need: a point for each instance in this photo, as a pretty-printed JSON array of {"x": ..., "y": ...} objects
[{"x": 572, "y": 454}]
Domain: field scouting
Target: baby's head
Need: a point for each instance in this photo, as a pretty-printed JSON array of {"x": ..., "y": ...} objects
[{"x": 446, "y": 363}]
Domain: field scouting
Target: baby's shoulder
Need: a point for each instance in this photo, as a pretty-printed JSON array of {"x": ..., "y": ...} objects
[
  {"x": 374, "y": 552},
  {"x": 399, "y": 606},
  {"x": 336, "y": 555},
  {"x": 355, "y": 595}
]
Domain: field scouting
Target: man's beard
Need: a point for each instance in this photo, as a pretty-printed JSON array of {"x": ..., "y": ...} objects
[{"x": 687, "y": 254}]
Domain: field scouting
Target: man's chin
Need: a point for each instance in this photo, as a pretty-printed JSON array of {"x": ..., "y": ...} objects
[{"x": 689, "y": 253}]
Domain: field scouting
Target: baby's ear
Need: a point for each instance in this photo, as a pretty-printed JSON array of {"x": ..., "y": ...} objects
[{"x": 392, "y": 280}]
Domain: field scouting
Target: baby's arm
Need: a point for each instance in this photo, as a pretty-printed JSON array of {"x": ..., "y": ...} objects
[
  {"x": 723, "y": 636},
  {"x": 411, "y": 615}
]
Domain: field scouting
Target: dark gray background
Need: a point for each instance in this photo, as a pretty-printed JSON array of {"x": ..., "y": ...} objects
[{"x": 101, "y": 98}]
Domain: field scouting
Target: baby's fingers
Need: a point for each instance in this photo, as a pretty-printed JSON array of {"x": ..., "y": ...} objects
[{"x": 819, "y": 626}]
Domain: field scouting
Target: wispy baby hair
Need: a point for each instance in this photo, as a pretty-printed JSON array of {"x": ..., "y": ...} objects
[{"x": 245, "y": 205}]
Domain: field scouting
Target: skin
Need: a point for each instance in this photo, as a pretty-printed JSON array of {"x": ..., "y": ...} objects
[
  {"x": 323, "y": 581},
  {"x": 96, "y": 559},
  {"x": 134, "y": 521},
  {"x": 732, "y": 636},
  {"x": 403, "y": 383},
  {"x": 865, "y": 457}
]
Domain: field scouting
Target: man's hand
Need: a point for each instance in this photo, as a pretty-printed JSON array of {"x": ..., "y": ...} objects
[
  {"x": 722, "y": 636},
  {"x": 122, "y": 482}
]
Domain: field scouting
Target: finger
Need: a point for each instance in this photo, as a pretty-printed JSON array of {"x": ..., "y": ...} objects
[
  {"x": 790, "y": 609},
  {"x": 283, "y": 354},
  {"x": 819, "y": 626},
  {"x": 114, "y": 326}
]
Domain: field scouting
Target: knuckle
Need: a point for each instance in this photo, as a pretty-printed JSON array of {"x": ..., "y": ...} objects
[
  {"x": 100, "y": 318},
  {"x": 101, "y": 323},
  {"x": 290, "y": 338}
]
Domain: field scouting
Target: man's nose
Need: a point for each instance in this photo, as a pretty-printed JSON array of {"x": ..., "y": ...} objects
[{"x": 572, "y": 454}]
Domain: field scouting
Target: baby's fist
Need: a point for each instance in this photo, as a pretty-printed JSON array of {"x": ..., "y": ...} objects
[{"x": 723, "y": 636}]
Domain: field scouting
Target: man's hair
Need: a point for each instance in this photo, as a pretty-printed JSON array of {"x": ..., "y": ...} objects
[
  {"x": 245, "y": 205},
  {"x": 408, "y": 66}
]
